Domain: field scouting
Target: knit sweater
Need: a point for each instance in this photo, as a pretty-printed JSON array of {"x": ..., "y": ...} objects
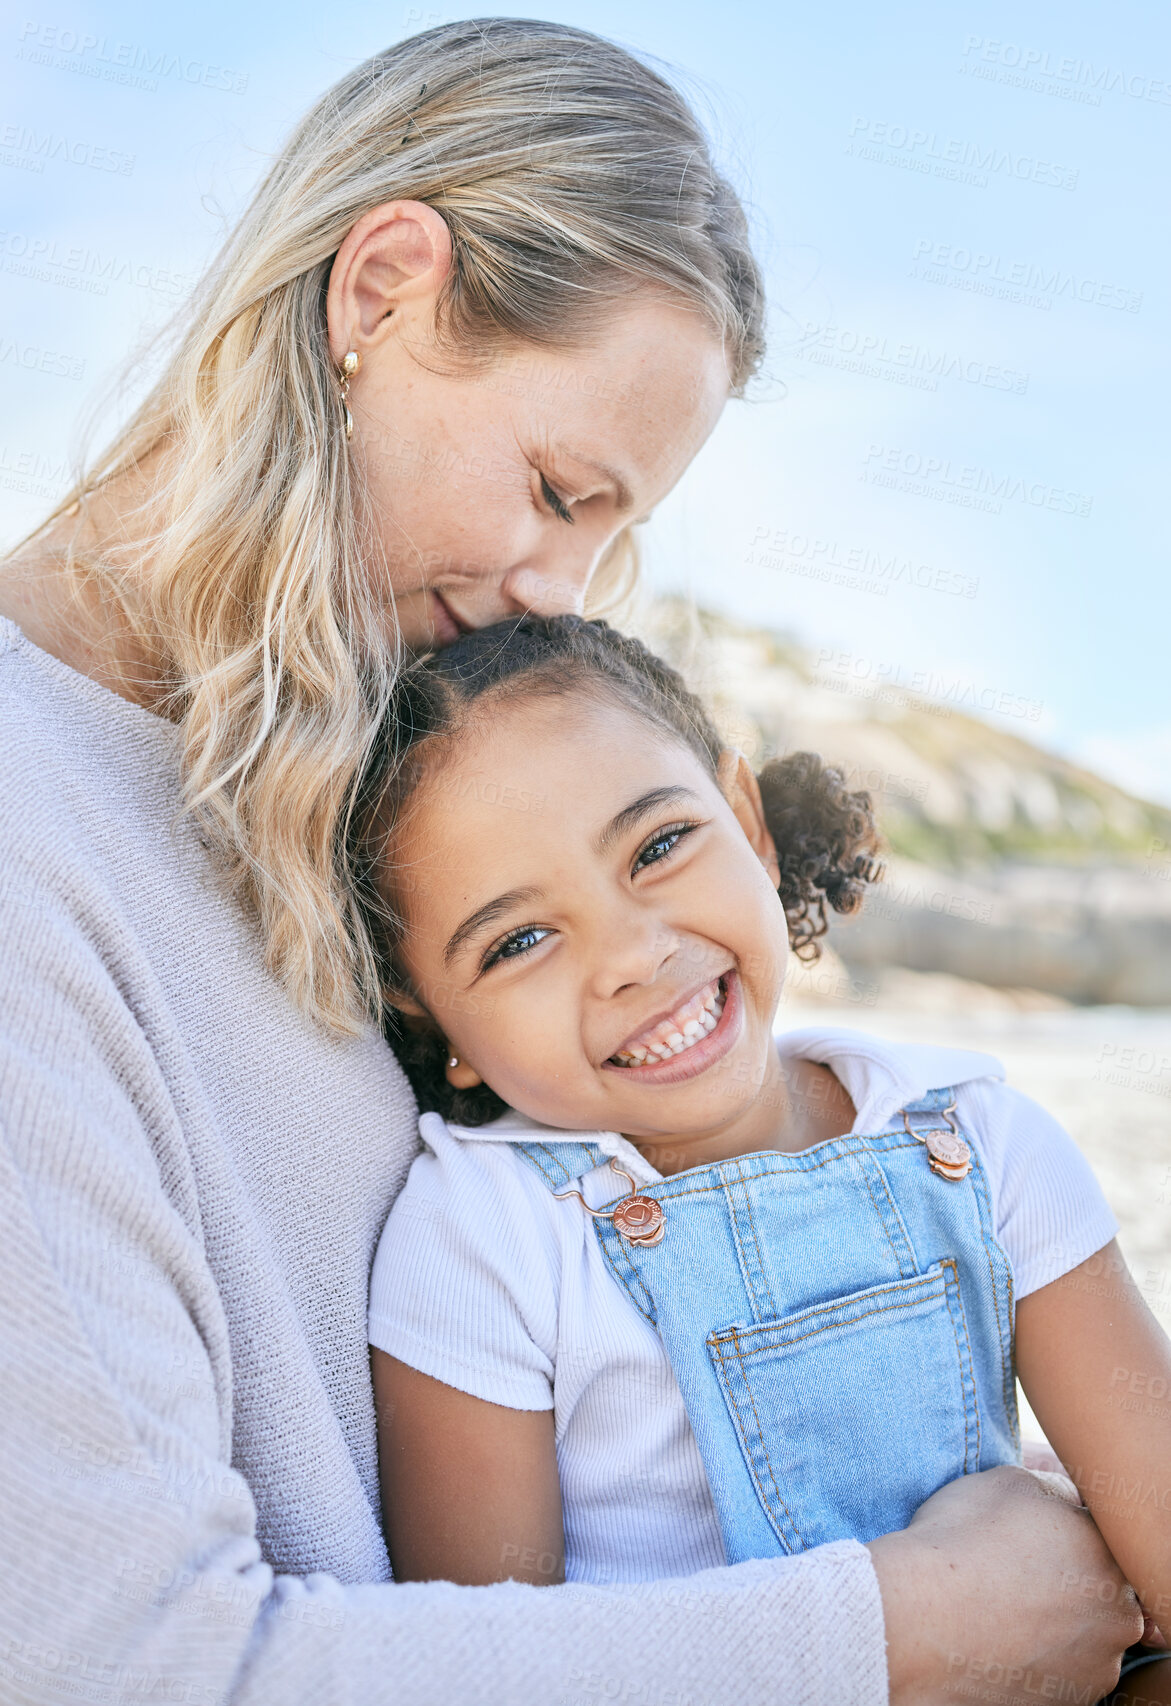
[{"x": 192, "y": 1181}]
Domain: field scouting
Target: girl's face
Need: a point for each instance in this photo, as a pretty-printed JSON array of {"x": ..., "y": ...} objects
[{"x": 592, "y": 922}]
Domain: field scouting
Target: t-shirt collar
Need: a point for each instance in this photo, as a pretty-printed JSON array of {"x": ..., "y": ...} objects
[{"x": 881, "y": 1076}]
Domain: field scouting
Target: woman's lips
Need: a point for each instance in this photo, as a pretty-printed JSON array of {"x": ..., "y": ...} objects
[
  {"x": 701, "y": 1054},
  {"x": 446, "y": 625}
]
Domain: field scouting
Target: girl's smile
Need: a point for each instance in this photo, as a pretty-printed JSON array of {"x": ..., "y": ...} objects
[{"x": 692, "y": 1037}]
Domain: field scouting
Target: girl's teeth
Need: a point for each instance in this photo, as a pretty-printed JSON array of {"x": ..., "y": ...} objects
[{"x": 704, "y": 1018}]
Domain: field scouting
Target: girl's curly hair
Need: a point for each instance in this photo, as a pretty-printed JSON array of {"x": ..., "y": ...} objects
[{"x": 825, "y": 834}]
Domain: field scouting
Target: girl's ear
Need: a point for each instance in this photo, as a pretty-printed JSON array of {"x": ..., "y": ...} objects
[
  {"x": 461, "y": 1074},
  {"x": 405, "y": 1003},
  {"x": 738, "y": 784}
]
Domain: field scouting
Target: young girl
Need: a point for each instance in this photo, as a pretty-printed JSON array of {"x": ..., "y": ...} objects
[{"x": 662, "y": 1289}]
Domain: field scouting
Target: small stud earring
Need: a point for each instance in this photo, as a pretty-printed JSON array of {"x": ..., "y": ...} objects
[
  {"x": 453, "y": 1062},
  {"x": 351, "y": 362}
]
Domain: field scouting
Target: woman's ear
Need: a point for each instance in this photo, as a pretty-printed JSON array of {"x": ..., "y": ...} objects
[
  {"x": 738, "y": 784},
  {"x": 394, "y": 261}
]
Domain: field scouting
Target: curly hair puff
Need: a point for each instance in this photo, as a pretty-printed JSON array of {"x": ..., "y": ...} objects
[{"x": 825, "y": 834}]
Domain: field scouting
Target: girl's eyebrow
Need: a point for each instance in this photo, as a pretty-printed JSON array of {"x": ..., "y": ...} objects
[
  {"x": 485, "y": 915},
  {"x": 634, "y": 813}
]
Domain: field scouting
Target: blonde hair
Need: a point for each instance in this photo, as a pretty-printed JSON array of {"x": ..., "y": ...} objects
[{"x": 569, "y": 173}]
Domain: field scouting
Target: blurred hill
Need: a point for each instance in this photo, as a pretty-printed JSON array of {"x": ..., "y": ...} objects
[{"x": 1009, "y": 866}]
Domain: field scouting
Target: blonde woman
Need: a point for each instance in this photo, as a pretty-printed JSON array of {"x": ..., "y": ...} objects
[{"x": 488, "y": 303}]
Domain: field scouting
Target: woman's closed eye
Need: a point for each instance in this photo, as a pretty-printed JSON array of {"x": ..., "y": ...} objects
[
  {"x": 514, "y": 945},
  {"x": 557, "y": 504},
  {"x": 661, "y": 844}
]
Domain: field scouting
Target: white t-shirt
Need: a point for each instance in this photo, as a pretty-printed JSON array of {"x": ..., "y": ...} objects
[{"x": 485, "y": 1281}]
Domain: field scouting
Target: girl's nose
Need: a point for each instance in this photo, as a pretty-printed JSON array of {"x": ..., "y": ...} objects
[{"x": 632, "y": 954}]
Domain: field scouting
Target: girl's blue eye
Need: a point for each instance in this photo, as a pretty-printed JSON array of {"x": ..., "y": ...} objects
[
  {"x": 662, "y": 844},
  {"x": 518, "y": 943}
]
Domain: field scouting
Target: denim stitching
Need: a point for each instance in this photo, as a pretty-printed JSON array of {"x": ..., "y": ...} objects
[
  {"x": 971, "y": 1364},
  {"x": 536, "y": 1153},
  {"x": 764, "y": 1447},
  {"x": 620, "y": 1276},
  {"x": 735, "y": 1335},
  {"x": 665, "y": 1195},
  {"x": 763, "y": 1271},
  {"x": 1006, "y": 1374},
  {"x": 878, "y": 1215},
  {"x": 726, "y": 1333},
  {"x": 885, "y": 1309}
]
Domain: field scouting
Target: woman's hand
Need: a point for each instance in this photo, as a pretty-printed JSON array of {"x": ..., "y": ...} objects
[{"x": 999, "y": 1583}]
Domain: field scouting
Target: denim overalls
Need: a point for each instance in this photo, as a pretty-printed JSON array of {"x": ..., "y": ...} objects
[{"x": 839, "y": 1322}]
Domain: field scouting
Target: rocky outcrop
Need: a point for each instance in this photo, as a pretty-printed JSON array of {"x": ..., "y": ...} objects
[
  {"x": 1099, "y": 935},
  {"x": 1009, "y": 865}
]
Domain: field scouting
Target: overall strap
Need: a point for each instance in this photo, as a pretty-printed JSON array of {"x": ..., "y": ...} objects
[
  {"x": 932, "y": 1102},
  {"x": 561, "y": 1163}
]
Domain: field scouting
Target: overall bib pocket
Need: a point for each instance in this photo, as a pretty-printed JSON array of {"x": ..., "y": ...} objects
[{"x": 850, "y": 1413}]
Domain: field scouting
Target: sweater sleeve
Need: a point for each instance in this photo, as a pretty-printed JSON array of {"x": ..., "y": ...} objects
[{"x": 129, "y": 1564}]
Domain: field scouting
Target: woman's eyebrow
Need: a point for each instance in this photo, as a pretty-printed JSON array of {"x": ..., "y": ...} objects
[
  {"x": 634, "y": 813},
  {"x": 485, "y": 915}
]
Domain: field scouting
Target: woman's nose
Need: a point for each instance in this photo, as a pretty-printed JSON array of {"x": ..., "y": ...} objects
[
  {"x": 556, "y": 587},
  {"x": 548, "y": 592}
]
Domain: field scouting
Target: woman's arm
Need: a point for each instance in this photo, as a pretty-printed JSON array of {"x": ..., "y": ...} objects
[
  {"x": 469, "y": 1489},
  {"x": 1096, "y": 1368},
  {"x": 130, "y": 1567}
]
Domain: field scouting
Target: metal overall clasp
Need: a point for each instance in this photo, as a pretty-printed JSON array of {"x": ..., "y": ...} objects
[
  {"x": 640, "y": 1219},
  {"x": 947, "y": 1153}
]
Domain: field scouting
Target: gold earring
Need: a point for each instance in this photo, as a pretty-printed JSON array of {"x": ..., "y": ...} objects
[{"x": 351, "y": 362}]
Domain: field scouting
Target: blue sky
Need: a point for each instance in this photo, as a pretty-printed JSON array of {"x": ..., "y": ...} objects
[{"x": 955, "y": 468}]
